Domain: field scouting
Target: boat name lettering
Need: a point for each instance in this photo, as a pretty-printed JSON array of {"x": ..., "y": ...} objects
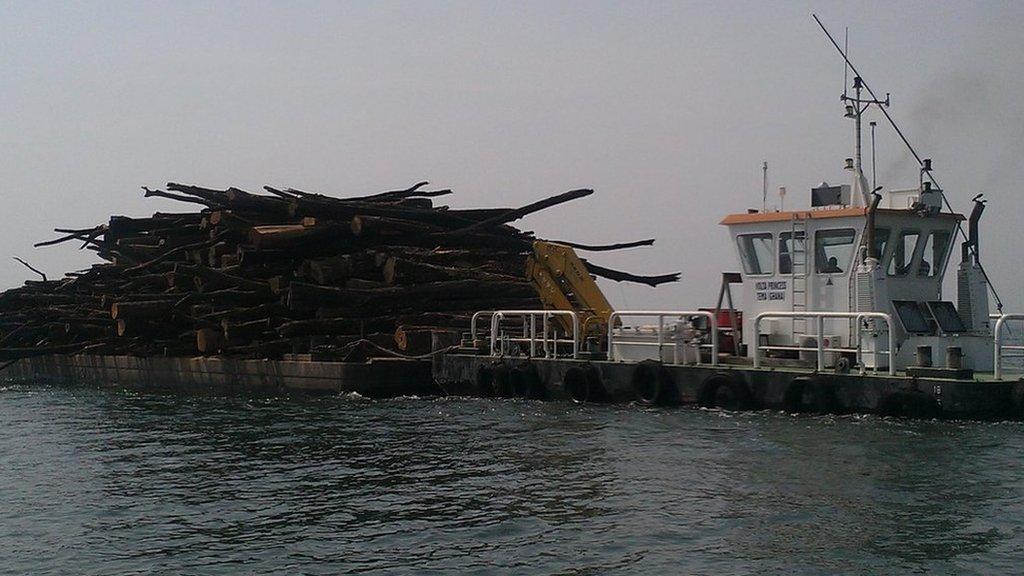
[{"x": 771, "y": 290}]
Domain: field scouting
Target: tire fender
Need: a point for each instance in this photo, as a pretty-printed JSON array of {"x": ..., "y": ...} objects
[
  {"x": 653, "y": 385},
  {"x": 724, "y": 390},
  {"x": 526, "y": 383},
  {"x": 583, "y": 384},
  {"x": 810, "y": 394}
]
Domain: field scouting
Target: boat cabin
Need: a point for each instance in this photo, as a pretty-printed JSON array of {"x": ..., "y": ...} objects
[{"x": 819, "y": 260}]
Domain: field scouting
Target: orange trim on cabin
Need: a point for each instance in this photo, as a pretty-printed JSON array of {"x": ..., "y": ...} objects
[{"x": 759, "y": 217}]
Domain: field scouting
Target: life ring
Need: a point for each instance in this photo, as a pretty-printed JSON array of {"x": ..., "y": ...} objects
[
  {"x": 583, "y": 384},
  {"x": 526, "y": 383},
  {"x": 910, "y": 404},
  {"x": 811, "y": 395},
  {"x": 503, "y": 381},
  {"x": 725, "y": 391},
  {"x": 485, "y": 381},
  {"x": 653, "y": 385}
]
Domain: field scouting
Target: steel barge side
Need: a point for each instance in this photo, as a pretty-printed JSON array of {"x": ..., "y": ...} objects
[{"x": 729, "y": 387}]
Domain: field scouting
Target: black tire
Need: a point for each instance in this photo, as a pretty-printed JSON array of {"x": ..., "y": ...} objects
[
  {"x": 526, "y": 383},
  {"x": 583, "y": 385},
  {"x": 502, "y": 381},
  {"x": 725, "y": 391},
  {"x": 485, "y": 381},
  {"x": 844, "y": 363},
  {"x": 910, "y": 404},
  {"x": 652, "y": 385},
  {"x": 812, "y": 396},
  {"x": 1016, "y": 405}
]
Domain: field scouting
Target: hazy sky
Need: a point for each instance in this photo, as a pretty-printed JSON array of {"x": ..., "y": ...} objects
[{"x": 666, "y": 109}]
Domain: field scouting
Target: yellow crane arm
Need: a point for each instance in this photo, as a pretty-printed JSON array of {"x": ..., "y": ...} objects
[{"x": 563, "y": 283}]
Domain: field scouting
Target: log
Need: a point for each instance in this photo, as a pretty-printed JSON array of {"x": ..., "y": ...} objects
[
  {"x": 141, "y": 309},
  {"x": 383, "y": 227},
  {"x": 399, "y": 270},
  {"x": 308, "y": 296},
  {"x": 419, "y": 340},
  {"x": 235, "y": 331},
  {"x": 330, "y": 271},
  {"x": 210, "y": 340},
  {"x": 321, "y": 327}
]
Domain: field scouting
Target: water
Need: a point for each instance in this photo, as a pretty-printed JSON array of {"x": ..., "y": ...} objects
[{"x": 115, "y": 482}]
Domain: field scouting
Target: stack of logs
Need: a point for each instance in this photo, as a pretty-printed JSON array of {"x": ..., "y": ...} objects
[{"x": 286, "y": 272}]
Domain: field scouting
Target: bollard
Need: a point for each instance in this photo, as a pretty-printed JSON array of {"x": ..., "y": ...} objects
[
  {"x": 924, "y": 356},
  {"x": 954, "y": 357}
]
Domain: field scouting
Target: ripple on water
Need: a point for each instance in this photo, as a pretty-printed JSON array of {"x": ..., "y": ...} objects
[{"x": 99, "y": 482}]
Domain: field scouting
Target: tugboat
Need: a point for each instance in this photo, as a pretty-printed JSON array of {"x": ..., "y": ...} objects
[{"x": 841, "y": 309}]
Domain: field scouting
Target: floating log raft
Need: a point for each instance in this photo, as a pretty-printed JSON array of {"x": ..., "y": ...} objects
[{"x": 259, "y": 275}]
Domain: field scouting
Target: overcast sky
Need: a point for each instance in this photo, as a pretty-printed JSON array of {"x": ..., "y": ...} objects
[{"x": 665, "y": 109}]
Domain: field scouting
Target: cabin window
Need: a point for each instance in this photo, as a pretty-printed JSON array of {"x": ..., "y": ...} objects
[
  {"x": 756, "y": 253},
  {"x": 833, "y": 250},
  {"x": 792, "y": 253},
  {"x": 881, "y": 242},
  {"x": 934, "y": 255},
  {"x": 903, "y": 253}
]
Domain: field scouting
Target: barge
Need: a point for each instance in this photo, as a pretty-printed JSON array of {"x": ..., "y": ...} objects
[{"x": 840, "y": 310}]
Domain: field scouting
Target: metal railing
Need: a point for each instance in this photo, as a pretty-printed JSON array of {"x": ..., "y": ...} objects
[
  {"x": 473, "y": 322},
  {"x": 997, "y": 340},
  {"x": 820, "y": 348},
  {"x": 550, "y": 345},
  {"x": 661, "y": 315}
]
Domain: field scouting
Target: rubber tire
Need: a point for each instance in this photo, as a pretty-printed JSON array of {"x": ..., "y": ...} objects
[
  {"x": 910, "y": 404},
  {"x": 843, "y": 365},
  {"x": 485, "y": 381},
  {"x": 811, "y": 396},
  {"x": 1016, "y": 404},
  {"x": 726, "y": 392},
  {"x": 526, "y": 384},
  {"x": 583, "y": 385},
  {"x": 503, "y": 381},
  {"x": 652, "y": 385}
]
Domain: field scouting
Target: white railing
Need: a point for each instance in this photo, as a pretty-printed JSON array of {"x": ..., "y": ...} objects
[
  {"x": 473, "y": 322},
  {"x": 997, "y": 339},
  {"x": 661, "y": 315},
  {"x": 820, "y": 348},
  {"x": 550, "y": 345}
]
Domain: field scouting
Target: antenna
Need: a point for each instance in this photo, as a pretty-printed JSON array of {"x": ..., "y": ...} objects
[
  {"x": 846, "y": 67},
  {"x": 855, "y": 108},
  {"x": 906, "y": 142},
  {"x": 874, "y": 184},
  {"x": 764, "y": 187}
]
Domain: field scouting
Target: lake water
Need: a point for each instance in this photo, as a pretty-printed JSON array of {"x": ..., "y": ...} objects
[{"x": 116, "y": 482}]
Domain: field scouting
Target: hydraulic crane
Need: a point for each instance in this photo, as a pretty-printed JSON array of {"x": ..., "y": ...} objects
[{"x": 563, "y": 283}]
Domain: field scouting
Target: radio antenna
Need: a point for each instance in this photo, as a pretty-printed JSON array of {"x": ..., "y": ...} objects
[
  {"x": 910, "y": 147},
  {"x": 764, "y": 187},
  {"x": 874, "y": 183},
  {"x": 846, "y": 67}
]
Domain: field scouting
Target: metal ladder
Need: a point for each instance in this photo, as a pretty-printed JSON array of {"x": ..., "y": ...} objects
[{"x": 798, "y": 273}]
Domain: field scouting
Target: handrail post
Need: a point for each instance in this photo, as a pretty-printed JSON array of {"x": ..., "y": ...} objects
[
  {"x": 997, "y": 340},
  {"x": 473, "y": 323},
  {"x": 820, "y": 325},
  {"x": 532, "y": 335},
  {"x": 544, "y": 327},
  {"x": 892, "y": 345},
  {"x": 575, "y": 335},
  {"x": 714, "y": 339},
  {"x": 611, "y": 335},
  {"x": 757, "y": 340},
  {"x": 661, "y": 335},
  {"x": 495, "y": 321}
]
